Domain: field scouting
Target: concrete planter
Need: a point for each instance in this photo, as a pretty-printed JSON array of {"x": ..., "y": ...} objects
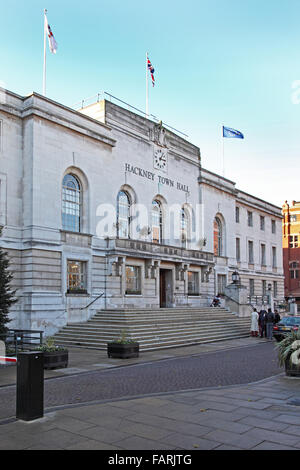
[
  {"x": 123, "y": 351},
  {"x": 56, "y": 359},
  {"x": 291, "y": 369}
]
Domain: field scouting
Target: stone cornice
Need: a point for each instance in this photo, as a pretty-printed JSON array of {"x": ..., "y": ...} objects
[
  {"x": 44, "y": 108},
  {"x": 36, "y": 111},
  {"x": 222, "y": 184}
]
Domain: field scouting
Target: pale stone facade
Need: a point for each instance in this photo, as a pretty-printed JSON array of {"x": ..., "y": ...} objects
[
  {"x": 167, "y": 258},
  {"x": 246, "y": 221}
]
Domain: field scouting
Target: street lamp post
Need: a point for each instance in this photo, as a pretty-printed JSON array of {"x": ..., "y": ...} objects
[{"x": 270, "y": 297}]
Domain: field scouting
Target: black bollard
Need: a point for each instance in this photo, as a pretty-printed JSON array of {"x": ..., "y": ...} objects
[{"x": 30, "y": 386}]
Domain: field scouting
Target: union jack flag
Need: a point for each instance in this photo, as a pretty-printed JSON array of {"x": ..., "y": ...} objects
[{"x": 151, "y": 70}]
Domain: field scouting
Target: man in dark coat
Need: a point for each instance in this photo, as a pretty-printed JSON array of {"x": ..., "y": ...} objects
[
  {"x": 270, "y": 319},
  {"x": 262, "y": 323}
]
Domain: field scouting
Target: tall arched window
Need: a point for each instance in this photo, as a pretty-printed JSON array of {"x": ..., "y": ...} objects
[
  {"x": 157, "y": 222},
  {"x": 71, "y": 203},
  {"x": 218, "y": 237},
  {"x": 184, "y": 228},
  {"x": 123, "y": 215}
]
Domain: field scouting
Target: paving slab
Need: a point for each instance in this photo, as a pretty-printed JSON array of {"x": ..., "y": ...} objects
[
  {"x": 258, "y": 422},
  {"x": 188, "y": 442},
  {"x": 230, "y": 438}
]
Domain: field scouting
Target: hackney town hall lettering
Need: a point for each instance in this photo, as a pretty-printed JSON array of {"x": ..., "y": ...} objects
[{"x": 151, "y": 176}]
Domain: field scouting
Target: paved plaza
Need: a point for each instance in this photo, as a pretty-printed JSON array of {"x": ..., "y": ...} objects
[{"x": 261, "y": 416}]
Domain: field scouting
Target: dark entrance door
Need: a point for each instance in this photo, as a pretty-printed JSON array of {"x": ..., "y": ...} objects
[{"x": 165, "y": 290}]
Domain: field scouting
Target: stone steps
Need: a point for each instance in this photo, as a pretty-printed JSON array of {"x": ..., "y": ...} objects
[
  {"x": 157, "y": 329},
  {"x": 140, "y": 331},
  {"x": 143, "y": 334}
]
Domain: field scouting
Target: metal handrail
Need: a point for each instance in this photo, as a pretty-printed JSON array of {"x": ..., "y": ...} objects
[
  {"x": 18, "y": 337},
  {"x": 91, "y": 303}
]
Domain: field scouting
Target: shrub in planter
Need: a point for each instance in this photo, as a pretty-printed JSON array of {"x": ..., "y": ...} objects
[
  {"x": 289, "y": 353},
  {"x": 54, "y": 356},
  {"x": 123, "y": 347}
]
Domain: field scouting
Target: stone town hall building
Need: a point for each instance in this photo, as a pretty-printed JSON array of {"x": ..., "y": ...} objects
[{"x": 105, "y": 209}]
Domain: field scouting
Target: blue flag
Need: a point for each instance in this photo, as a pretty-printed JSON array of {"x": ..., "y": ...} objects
[{"x": 233, "y": 133}]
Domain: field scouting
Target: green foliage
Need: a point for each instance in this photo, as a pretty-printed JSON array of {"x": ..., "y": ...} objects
[
  {"x": 123, "y": 339},
  {"x": 7, "y": 296},
  {"x": 284, "y": 347},
  {"x": 50, "y": 346}
]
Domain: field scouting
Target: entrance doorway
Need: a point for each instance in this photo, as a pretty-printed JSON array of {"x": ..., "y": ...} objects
[
  {"x": 166, "y": 288},
  {"x": 221, "y": 281}
]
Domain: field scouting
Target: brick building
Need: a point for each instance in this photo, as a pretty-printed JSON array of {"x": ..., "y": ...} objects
[{"x": 291, "y": 250}]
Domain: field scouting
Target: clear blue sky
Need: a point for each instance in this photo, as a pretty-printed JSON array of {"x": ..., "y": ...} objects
[{"x": 217, "y": 62}]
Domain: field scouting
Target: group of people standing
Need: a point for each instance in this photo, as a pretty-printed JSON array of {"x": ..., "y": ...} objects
[{"x": 262, "y": 323}]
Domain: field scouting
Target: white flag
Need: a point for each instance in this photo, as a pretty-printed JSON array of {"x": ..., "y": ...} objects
[{"x": 51, "y": 38}]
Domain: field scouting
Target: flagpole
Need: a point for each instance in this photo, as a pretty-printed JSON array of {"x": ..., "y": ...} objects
[
  {"x": 45, "y": 54},
  {"x": 147, "y": 87},
  {"x": 223, "y": 158}
]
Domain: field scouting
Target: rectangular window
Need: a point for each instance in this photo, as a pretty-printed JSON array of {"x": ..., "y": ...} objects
[
  {"x": 293, "y": 241},
  {"x": 262, "y": 222},
  {"x": 238, "y": 249},
  {"x": 293, "y": 218},
  {"x": 133, "y": 280},
  {"x": 294, "y": 274},
  {"x": 264, "y": 287},
  {"x": 250, "y": 252},
  {"x": 193, "y": 283},
  {"x": 251, "y": 287},
  {"x": 77, "y": 277},
  {"x": 237, "y": 214},
  {"x": 250, "y": 219},
  {"x": 275, "y": 290},
  {"x": 274, "y": 257},
  {"x": 263, "y": 254},
  {"x": 273, "y": 223}
]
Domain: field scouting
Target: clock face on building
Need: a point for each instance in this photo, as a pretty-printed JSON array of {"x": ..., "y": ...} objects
[{"x": 160, "y": 161}]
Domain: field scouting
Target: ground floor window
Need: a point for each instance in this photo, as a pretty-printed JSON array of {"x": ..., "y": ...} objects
[
  {"x": 275, "y": 290},
  {"x": 251, "y": 287},
  {"x": 193, "y": 283},
  {"x": 77, "y": 276},
  {"x": 133, "y": 280}
]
